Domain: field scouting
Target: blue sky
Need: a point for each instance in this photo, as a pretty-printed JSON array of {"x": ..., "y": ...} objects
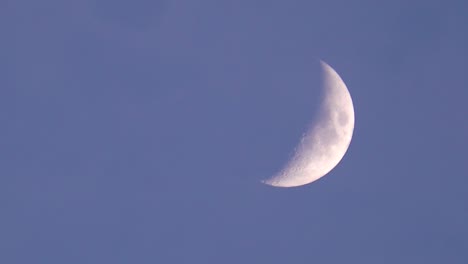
[{"x": 138, "y": 131}]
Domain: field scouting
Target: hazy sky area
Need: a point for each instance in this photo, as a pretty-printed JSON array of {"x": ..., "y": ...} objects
[{"x": 138, "y": 131}]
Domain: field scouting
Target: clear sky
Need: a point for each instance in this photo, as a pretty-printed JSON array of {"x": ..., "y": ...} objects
[{"x": 137, "y": 131}]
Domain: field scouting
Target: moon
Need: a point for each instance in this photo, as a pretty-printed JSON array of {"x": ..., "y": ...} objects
[{"x": 325, "y": 143}]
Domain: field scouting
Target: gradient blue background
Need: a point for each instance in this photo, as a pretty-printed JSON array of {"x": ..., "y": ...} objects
[{"x": 137, "y": 131}]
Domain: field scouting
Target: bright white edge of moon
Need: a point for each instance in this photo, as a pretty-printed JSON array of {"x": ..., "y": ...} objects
[{"x": 325, "y": 143}]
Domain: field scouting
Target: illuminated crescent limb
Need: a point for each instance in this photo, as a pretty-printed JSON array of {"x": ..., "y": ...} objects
[{"x": 323, "y": 146}]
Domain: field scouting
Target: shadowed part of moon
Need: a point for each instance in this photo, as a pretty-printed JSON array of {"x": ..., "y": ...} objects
[
  {"x": 131, "y": 13},
  {"x": 323, "y": 146}
]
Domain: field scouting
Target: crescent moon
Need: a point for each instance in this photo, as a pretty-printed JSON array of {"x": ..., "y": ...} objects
[{"x": 325, "y": 143}]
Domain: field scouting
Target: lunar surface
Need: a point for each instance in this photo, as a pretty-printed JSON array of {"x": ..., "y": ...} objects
[{"x": 325, "y": 143}]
